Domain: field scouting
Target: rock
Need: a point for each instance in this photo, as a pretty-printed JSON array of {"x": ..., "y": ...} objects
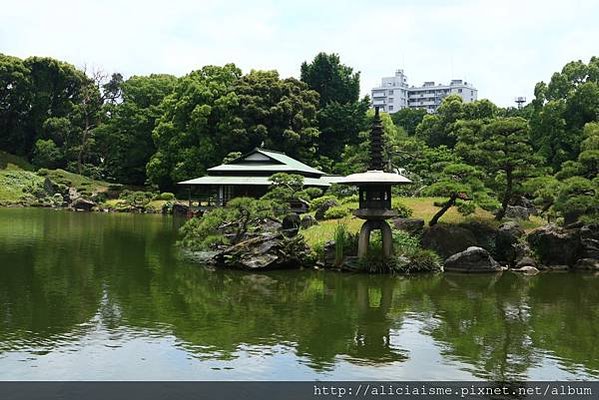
[
  {"x": 526, "y": 270},
  {"x": 591, "y": 264},
  {"x": 81, "y": 204},
  {"x": 73, "y": 194},
  {"x": 322, "y": 209},
  {"x": 180, "y": 209},
  {"x": 526, "y": 203},
  {"x": 517, "y": 212},
  {"x": 291, "y": 225},
  {"x": 526, "y": 262},
  {"x": 308, "y": 221},
  {"x": 450, "y": 239},
  {"x": 49, "y": 187},
  {"x": 589, "y": 241},
  {"x": 507, "y": 242},
  {"x": 413, "y": 226},
  {"x": 555, "y": 246},
  {"x": 473, "y": 259},
  {"x": 264, "y": 252}
]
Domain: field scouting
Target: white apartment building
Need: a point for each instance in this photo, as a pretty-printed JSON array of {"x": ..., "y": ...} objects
[{"x": 395, "y": 94}]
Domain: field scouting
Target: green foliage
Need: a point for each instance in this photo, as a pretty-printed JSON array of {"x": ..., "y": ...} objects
[
  {"x": 319, "y": 201},
  {"x": 333, "y": 81},
  {"x": 137, "y": 198},
  {"x": 408, "y": 119},
  {"x": 10, "y": 161},
  {"x": 168, "y": 196},
  {"x": 285, "y": 188},
  {"x": 46, "y": 154},
  {"x": 229, "y": 224},
  {"x": 578, "y": 197},
  {"x": 502, "y": 149},
  {"x": 402, "y": 210},
  {"x": 562, "y": 108},
  {"x": 125, "y": 138},
  {"x": 336, "y": 212},
  {"x": 345, "y": 243},
  {"x": 464, "y": 187},
  {"x": 196, "y": 128}
]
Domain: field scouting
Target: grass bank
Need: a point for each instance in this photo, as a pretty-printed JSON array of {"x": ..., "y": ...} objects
[{"x": 422, "y": 207}]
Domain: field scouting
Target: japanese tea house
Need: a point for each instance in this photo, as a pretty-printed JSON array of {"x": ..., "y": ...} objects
[{"x": 249, "y": 176}]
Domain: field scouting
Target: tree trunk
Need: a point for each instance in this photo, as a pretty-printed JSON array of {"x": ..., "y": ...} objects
[
  {"x": 507, "y": 196},
  {"x": 443, "y": 209}
]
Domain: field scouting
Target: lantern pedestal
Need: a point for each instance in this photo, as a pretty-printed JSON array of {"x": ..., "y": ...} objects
[{"x": 386, "y": 235}]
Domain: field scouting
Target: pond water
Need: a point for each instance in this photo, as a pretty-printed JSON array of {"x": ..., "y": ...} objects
[{"x": 109, "y": 296}]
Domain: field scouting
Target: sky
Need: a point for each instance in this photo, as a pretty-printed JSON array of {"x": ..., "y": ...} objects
[{"x": 503, "y": 47}]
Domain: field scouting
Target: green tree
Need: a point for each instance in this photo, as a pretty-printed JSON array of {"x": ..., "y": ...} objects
[
  {"x": 578, "y": 197},
  {"x": 409, "y": 118},
  {"x": 197, "y": 128},
  {"x": 281, "y": 113},
  {"x": 464, "y": 186},
  {"x": 46, "y": 154},
  {"x": 341, "y": 116},
  {"x": 125, "y": 137},
  {"x": 57, "y": 88},
  {"x": 561, "y": 108},
  {"x": 502, "y": 149},
  {"x": 15, "y": 97},
  {"x": 437, "y": 129},
  {"x": 335, "y": 82}
]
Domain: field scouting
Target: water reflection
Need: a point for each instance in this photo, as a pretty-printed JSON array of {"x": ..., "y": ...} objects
[{"x": 74, "y": 282}]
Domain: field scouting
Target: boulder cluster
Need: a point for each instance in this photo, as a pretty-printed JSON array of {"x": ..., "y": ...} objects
[{"x": 477, "y": 247}]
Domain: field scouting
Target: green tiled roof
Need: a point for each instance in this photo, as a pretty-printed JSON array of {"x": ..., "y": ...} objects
[
  {"x": 280, "y": 163},
  {"x": 246, "y": 180}
]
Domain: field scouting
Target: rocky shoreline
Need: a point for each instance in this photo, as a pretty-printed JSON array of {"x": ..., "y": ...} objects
[{"x": 464, "y": 248}]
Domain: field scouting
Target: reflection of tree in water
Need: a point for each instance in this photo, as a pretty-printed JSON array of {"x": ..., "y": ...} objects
[
  {"x": 485, "y": 321},
  {"x": 66, "y": 270},
  {"x": 499, "y": 324},
  {"x": 320, "y": 315},
  {"x": 565, "y": 319}
]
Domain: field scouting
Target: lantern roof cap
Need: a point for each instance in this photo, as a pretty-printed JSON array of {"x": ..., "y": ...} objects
[{"x": 374, "y": 177}]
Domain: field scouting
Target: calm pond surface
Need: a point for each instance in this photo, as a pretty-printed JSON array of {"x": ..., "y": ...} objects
[{"x": 108, "y": 296}]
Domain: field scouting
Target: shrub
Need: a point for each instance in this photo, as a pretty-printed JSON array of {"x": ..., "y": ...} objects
[
  {"x": 138, "y": 199},
  {"x": 230, "y": 224},
  {"x": 354, "y": 198},
  {"x": 168, "y": 196},
  {"x": 336, "y": 212},
  {"x": 46, "y": 154},
  {"x": 316, "y": 203},
  {"x": 402, "y": 210},
  {"x": 417, "y": 260}
]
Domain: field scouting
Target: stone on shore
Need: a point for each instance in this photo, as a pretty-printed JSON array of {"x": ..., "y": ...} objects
[
  {"x": 413, "y": 226},
  {"x": 81, "y": 204},
  {"x": 473, "y": 259},
  {"x": 265, "y": 252},
  {"x": 555, "y": 246}
]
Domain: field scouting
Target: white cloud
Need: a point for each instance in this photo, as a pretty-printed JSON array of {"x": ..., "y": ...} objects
[{"x": 504, "y": 48}]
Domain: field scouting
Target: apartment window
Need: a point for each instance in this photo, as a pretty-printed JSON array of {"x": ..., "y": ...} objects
[
  {"x": 472, "y": 93},
  {"x": 459, "y": 90},
  {"x": 391, "y": 91},
  {"x": 391, "y": 99},
  {"x": 390, "y": 108}
]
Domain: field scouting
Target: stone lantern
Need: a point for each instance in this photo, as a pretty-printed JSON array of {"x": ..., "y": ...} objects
[{"x": 375, "y": 193}]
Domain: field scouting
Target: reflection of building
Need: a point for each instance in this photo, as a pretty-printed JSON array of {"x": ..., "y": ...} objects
[
  {"x": 249, "y": 175},
  {"x": 395, "y": 94}
]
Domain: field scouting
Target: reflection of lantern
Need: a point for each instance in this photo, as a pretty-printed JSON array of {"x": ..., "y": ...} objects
[{"x": 375, "y": 192}]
